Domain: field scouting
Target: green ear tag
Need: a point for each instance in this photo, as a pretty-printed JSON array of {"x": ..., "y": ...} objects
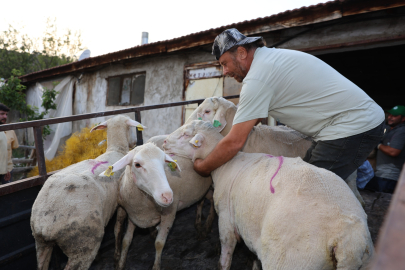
[
  {"x": 216, "y": 123},
  {"x": 172, "y": 166},
  {"x": 199, "y": 118}
]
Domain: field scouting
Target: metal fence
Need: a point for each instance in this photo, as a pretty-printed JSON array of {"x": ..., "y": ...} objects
[{"x": 17, "y": 248}]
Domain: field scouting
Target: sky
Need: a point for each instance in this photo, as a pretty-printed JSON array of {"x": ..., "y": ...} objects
[{"x": 109, "y": 26}]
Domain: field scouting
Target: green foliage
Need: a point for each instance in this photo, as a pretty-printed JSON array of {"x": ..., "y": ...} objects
[
  {"x": 12, "y": 95},
  {"x": 28, "y": 54}
]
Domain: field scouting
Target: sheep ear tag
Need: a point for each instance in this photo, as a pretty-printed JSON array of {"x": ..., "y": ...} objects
[
  {"x": 197, "y": 140},
  {"x": 217, "y": 123},
  {"x": 136, "y": 124},
  {"x": 173, "y": 165},
  {"x": 124, "y": 161},
  {"x": 109, "y": 171}
]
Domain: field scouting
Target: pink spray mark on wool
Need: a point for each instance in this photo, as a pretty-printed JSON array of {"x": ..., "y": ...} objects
[
  {"x": 98, "y": 164},
  {"x": 281, "y": 160}
]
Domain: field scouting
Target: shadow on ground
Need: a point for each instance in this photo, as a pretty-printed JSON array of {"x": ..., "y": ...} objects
[{"x": 184, "y": 251}]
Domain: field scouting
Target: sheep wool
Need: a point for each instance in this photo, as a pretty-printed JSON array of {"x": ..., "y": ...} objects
[
  {"x": 142, "y": 211},
  {"x": 274, "y": 140},
  {"x": 75, "y": 204},
  {"x": 292, "y": 214}
]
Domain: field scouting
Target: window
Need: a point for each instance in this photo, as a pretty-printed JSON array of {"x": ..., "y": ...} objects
[{"x": 126, "y": 89}]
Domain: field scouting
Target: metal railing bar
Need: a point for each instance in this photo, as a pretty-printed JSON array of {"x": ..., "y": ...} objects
[
  {"x": 36, "y": 125},
  {"x": 39, "y": 145},
  {"x": 57, "y": 120},
  {"x": 15, "y": 218},
  {"x": 24, "y": 183}
]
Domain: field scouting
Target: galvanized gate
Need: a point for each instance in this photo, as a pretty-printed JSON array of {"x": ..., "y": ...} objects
[{"x": 17, "y": 245}]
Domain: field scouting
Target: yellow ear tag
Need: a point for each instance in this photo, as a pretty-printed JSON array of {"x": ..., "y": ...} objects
[
  {"x": 172, "y": 165},
  {"x": 140, "y": 127},
  {"x": 109, "y": 171},
  {"x": 196, "y": 141}
]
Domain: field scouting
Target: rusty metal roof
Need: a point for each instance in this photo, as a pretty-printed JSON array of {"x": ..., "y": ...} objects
[{"x": 291, "y": 18}]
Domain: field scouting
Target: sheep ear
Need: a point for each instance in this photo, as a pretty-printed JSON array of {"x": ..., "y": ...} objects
[
  {"x": 100, "y": 126},
  {"x": 126, "y": 160},
  {"x": 171, "y": 161},
  {"x": 219, "y": 121},
  {"x": 133, "y": 123},
  {"x": 197, "y": 140}
]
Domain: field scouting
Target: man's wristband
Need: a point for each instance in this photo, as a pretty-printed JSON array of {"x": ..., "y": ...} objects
[{"x": 378, "y": 146}]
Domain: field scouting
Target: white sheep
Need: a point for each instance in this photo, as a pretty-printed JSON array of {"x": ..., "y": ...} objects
[
  {"x": 188, "y": 188},
  {"x": 274, "y": 140},
  {"x": 75, "y": 205},
  {"x": 292, "y": 214}
]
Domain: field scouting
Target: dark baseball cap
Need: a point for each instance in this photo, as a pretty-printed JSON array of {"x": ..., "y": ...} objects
[
  {"x": 228, "y": 39},
  {"x": 397, "y": 110}
]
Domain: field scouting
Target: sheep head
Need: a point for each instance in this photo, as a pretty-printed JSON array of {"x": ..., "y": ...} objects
[
  {"x": 193, "y": 140},
  {"x": 146, "y": 164},
  {"x": 216, "y": 110},
  {"x": 117, "y": 132}
]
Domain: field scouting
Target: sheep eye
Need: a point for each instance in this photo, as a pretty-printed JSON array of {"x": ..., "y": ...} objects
[
  {"x": 138, "y": 165},
  {"x": 207, "y": 111}
]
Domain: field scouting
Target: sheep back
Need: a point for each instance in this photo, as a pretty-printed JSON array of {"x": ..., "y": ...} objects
[{"x": 311, "y": 212}]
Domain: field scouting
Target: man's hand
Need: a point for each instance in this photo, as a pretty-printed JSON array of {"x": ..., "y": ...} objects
[
  {"x": 226, "y": 149},
  {"x": 7, "y": 176}
]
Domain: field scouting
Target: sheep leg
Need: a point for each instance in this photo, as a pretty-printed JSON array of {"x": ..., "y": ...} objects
[
  {"x": 256, "y": 265},
  {"x": 228, "y": 243},
  {"x": 197, "y": 223},
  {"x": 118, "y": 230},
  {"x": 125, "y": 245},
  {"x": 82, "y": 261},
  {"x": 166, "y": 223},
  {"x": 351, "y": 182},
  {"x": 211, "y": 215},
  {"x": 44, "y": 252}
]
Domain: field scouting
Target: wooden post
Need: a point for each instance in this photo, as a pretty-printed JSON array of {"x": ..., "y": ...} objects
[
  {"x": 391, "y": 240},
  {"x": 139, "y": 137},
  {"x": 39, "y": 145}
]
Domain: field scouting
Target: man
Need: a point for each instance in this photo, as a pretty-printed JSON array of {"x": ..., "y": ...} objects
[
  {"x": 12, "y": 143},
  {"x": 391, "y": 153},
  {"x": 302, "y": 92},
  {"x": 4, "y": 173}
]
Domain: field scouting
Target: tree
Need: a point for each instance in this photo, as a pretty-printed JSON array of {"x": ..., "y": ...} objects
[
  {"x": 29, "y": 54},
  {"x": 12, "y": 95}
]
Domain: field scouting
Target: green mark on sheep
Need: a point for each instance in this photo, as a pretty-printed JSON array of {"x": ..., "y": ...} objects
[{"x": 199, "y": 118}]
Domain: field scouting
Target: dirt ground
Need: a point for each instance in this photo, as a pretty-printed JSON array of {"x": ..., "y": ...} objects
[{"x": 184, "y": 251}]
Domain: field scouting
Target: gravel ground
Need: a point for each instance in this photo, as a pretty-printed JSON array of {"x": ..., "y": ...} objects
[{"x": 184, "y": 250}]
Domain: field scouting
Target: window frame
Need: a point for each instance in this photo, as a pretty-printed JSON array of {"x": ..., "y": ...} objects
[{"x": 122, "y": 77}]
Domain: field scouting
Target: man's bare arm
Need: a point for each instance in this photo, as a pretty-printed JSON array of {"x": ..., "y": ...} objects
[
  {"x": 388, "y": 150},
  {"x": 226, "y": 149}
]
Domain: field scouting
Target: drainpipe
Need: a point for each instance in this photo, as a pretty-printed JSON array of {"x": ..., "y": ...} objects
[{"x": 145, "y": 36}]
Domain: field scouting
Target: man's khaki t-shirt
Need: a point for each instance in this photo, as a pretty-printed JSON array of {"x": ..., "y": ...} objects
[
  {"x": 306, "y": 94},
  {"x": 12, "y": 143},
  {"x": 3, "y": 153}
]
